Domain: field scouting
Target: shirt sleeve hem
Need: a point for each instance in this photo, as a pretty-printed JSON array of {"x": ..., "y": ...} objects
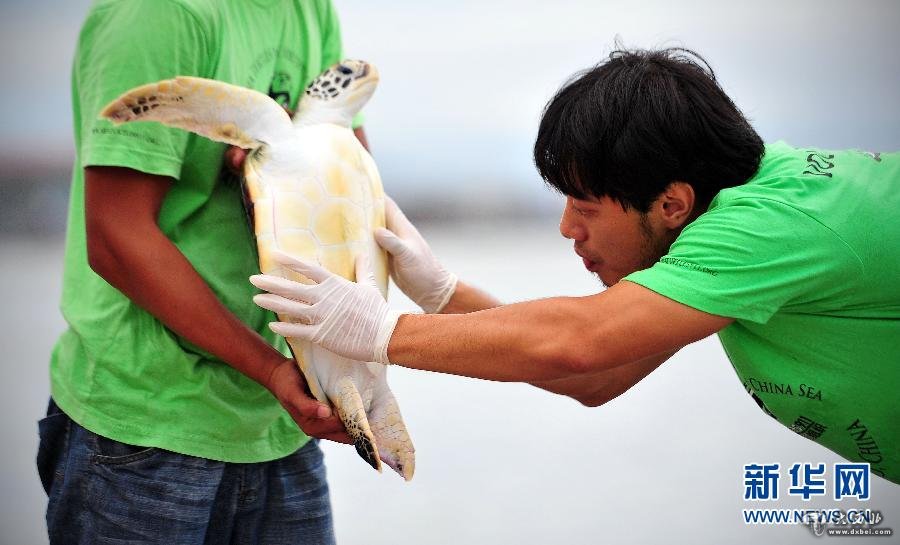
[
  {"x": 141, "y": 160},
  {"x": 706, "y": 303}
]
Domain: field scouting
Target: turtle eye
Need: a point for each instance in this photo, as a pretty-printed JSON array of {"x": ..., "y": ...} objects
[{"x": 344, "y": 70}]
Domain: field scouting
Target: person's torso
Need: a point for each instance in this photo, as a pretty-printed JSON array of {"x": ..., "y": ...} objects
[{"x": 829, "y": 367}]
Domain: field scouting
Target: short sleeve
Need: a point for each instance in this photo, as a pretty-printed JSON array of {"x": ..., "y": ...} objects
[
  {"x": 333, "y": 46},
  {"x": 752, "y": 258},
  {"x": 124, "y": 45}
]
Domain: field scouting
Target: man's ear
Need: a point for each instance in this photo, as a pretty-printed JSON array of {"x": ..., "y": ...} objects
[{"x": 676, "y": 205}]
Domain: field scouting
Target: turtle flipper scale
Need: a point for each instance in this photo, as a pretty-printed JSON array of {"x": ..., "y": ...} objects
[
  {"x": 352, "y": 412},
  {"x": 214, "y": 109}
]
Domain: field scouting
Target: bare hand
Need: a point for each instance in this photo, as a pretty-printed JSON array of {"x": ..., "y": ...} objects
[
  {"x": 234, "y": 159},
  {"x": 314, "y": 418}
]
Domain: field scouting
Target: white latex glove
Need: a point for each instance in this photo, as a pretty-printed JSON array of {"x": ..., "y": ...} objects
[
  {"x": 414, "y": 268},
  {"x": 347, "y": 318}
]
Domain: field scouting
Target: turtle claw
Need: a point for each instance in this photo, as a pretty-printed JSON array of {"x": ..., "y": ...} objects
[{"x": 404, "y": 469}]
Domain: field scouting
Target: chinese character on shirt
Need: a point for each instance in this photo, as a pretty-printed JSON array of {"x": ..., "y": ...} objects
[{"x": 808, "y": 427}]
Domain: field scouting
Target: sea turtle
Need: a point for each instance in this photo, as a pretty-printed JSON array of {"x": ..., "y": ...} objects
[{"x": 314, "y": 192}]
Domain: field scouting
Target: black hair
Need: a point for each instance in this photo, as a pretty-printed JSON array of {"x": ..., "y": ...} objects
[{"x": 630, "y": 126}]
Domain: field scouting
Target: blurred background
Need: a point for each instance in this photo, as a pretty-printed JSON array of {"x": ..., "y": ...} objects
[{"x": 451, "y": 127}]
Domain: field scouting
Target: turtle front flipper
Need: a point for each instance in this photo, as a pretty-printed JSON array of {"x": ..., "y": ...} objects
[
  {"x": 214, "y": 109},
  {"x": 395, "y": 447},
  {"x": 352, "y": 411}
]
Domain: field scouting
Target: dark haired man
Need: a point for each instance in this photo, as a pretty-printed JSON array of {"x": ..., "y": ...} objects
[{"x": 673, "y": 201}]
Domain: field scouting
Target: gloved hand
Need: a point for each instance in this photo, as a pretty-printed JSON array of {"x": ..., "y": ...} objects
[
  {"x": 347, "y": 318},
  {"x": 414, "y": 268}
]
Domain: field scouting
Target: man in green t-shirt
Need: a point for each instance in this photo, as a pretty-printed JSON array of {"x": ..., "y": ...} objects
[
  {"x": 176, "y": 416},
  {"x": 790, "y": 255}
]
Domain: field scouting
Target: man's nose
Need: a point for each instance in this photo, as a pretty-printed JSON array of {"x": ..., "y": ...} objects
[{"x": 570, "y": 227}]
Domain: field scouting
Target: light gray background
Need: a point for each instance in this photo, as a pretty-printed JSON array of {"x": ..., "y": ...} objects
[{"x": 452, "y": 126}]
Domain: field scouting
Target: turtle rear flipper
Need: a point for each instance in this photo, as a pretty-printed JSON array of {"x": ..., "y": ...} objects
[
  {"x": 350, "y": 408},
  {"x": 395, "y": 447}
]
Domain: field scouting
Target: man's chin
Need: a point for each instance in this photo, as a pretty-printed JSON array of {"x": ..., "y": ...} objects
[
  {"x": 610, "y": 278},
  {"x": 605, "y": 280},
  {"x": 599, "y": 270}
]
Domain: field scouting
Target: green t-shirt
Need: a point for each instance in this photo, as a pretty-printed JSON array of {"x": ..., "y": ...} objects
[
  {"x": 117, "y": 370},
  {"x": 806, "y": 258}
]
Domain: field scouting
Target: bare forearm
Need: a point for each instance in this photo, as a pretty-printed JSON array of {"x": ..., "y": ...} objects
[
  {"x": 599, "y": 388},
  {"x": 127, "y": 248},
  {"x": 536, "y": 340},
  {"x": 360, "y": 134},
  {"x": 468, "y": 298},
  {"x": 158, "y": 278},
  {"x": 551, "y": 339}
]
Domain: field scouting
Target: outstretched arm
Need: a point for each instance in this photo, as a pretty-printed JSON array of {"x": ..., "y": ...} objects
[
  {"x": 604, "y": 386},
  {"x": 551, "y": 339},
  {"x": 127, "y": 248},
  {"x": 537, "y": 341}
]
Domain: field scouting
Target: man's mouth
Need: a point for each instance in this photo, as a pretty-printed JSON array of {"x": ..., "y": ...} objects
[{"x": 588, "y": 264}]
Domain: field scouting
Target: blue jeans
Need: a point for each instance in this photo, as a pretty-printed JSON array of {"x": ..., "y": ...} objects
[{"x": 102, "y": 491}]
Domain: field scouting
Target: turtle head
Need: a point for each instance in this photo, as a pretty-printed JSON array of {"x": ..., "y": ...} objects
[{"x": 337, "y": 94}]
